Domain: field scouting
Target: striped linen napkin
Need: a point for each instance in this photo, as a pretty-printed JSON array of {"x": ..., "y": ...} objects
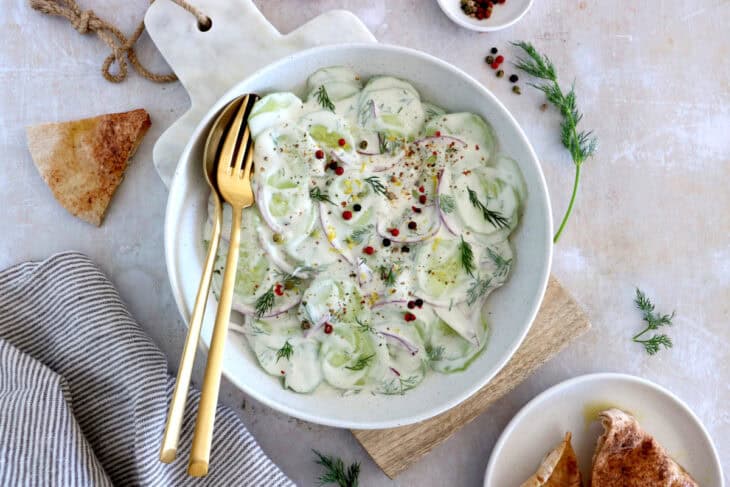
[{"x": 84, "y": 392}]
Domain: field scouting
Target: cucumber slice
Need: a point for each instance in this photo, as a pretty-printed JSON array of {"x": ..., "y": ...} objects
[
  {"x": 339, "y": 81},
  {"x": 467, "y": 126},
  {"x": 441, "y": 276},
  {"x": 281, "y": 183},
  {"x": 332, "y": 299},
  {"x": 327, "y": 130},
  {"x": 300, "y": 368},
  {"x": 448, "y": 351},
  {"x": 509, "y": 171},
  {"x": 391, "y": 106},
  {"x": 274, "y": 110},
  {"x": 432, "y": 110},
  {"x": 352, "y": 358}
]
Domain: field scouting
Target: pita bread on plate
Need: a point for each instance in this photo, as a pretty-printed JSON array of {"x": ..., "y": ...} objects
[
  {"x": 83, "y": 161},
  {"x": 559, "y": 468},
  {"x": 628, "y": 456}
]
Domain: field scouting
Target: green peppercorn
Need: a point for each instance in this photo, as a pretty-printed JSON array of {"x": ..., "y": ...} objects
[
  {"x": 489, "y": 59},
  {"x": 516, "y": 90},
  {"x": 278, "y": 238},
  {"x": 500, "y": 73},
  {"x": 363, "y": 144}
]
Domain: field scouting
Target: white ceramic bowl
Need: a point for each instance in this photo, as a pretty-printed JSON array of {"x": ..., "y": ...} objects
[
  {"x": 503, "y": 15},
  {"x": 541, "y": 424},
  {"x": 512, "y": 308}
]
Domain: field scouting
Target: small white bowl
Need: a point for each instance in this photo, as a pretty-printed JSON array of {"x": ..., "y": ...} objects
[
  {"x": 503, "y": 15},
  {"x": 512, "y": 308},
  {"x": 541, "y": 424}
]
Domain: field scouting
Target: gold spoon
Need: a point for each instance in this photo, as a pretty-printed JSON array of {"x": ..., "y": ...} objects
[
  {"x": 233, "y": 179},
  {"x": 171, "y": 437}
]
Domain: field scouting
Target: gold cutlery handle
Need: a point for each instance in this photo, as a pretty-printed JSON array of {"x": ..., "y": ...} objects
[
  {"x": 203, "y": 435},
  {"x": 171, "y": 437}
]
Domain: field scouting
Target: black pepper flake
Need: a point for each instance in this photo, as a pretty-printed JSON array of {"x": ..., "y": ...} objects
[
  {"x": 419, "y": 302},
  {"x": 514, "y": 78},
  {"x": 386, "y": 242},
  {"x": 405, "y": 249},
  {"x": 357, "y": 207},
  {"x": 332, "y": 165},
  {"x": 494, "y": 50},
  {"x": 412, "y": 225}
]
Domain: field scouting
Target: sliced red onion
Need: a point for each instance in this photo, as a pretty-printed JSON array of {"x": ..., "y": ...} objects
[
  {"x": 382, "y": 229},
  {"x": 344, "y": 252},
  {"x": 445, "y": 138},
  {"x": 366, "y": 153},
  {"x": 395, "y": 371},
  {"x": 265, "y": 213},
  {"x": 385, "y": 302},
  {"x": 450, "y": 226},
  {"x": 412, "y": 349}
]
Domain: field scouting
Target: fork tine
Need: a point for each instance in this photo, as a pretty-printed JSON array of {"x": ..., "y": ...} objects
[
  {"x": 244, "y": 145},
  {"x": 230, "y": 140}
]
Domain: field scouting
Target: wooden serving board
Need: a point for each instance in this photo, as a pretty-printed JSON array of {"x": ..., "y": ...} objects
[{"x": 559, "y": 321}]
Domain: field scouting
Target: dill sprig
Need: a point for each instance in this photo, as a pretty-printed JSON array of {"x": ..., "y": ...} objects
[
  {"x": 653, "y": 321},
  {"x": 376, "y": 184},
  {"x": 317, "y": 195},
  {"x": 323, "y": 99},
  {"x": 434, "y": 354},
  {"x": 503, "y": 265},
  {"x": 361, "y": 362},
  {"x": 447, "y": 203},
  {"x": 493, "y": 217},
  {"x": 335, "y": 471},
  {"x": 364, "y": 327},
  {"x": 387, "y": 275},
  {"x": 477, "y": 290},
  {"x": 580, "y": 144},
  {"x": 265, "y": 302},
  {"x": 467, "y": 256},
  {"x": 358, "y": 235},
  {"x": 284, "y": 352}
]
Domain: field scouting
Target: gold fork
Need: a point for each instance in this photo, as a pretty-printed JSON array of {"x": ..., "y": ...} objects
[{"x": 234, "y": 185}]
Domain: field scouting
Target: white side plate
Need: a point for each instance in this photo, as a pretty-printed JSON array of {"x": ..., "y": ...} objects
[
  {"x": 569, "y": 406},
  {"x": 503, "y": 15}
]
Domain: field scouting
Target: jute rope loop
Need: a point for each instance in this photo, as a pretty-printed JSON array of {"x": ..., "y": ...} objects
[{"x": 122, "y": 48}]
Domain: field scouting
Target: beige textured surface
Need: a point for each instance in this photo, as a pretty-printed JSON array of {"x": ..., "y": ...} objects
[
  {"x": 559, "y": 322},
  {"x": 654, "y": 81}
]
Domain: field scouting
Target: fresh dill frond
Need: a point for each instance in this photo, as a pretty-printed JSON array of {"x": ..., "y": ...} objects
[
  {"x": 387, "y": 144},
  {"x": 493, "y": 217},
  {"x": 317, "y": 195},
  {"x": 434, "y": 354},
  {"x": 580, "y": 144},
  {"x": 284, "y": 352},
  {"x": 265, "y": 302},
  {"x": 467, "y": 256},
  {"x": 376, "y": 184},
  {"x": 335, "y": 471},
  {"x": 359, "y": 234},
  {"x": 323, "y": 99},
  {"x": 653, "y": 322},
  {"x": 447, "y": 203},
  {"x": 502, "y": 264},
  {"x": 477, "y": 289},
  {"x": 387, "y": 275},
  {"x": 364, "y": 327},
  {"x": 361, "y": 363}
]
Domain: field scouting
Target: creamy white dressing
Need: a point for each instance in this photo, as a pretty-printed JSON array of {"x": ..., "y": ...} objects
[{"x": 367, "y": 201}]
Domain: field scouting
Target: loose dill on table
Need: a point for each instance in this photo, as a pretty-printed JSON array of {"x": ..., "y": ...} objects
[
  {"x": 653, "y": 321},
  {"x": 335, "y": 471}
]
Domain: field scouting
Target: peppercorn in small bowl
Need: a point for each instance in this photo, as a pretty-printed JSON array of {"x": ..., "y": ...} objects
[{"x": 485, "y": 15}]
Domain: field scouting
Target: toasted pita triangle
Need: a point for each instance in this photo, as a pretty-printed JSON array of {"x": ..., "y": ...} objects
[
  {"x": 83, "y": 161},
  {"x": 627, "y": 456},
  {"x": 559, "y": 468}
]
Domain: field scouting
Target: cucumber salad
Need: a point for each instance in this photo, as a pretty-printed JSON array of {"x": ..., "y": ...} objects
[{"x": 380, "y": 227}]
